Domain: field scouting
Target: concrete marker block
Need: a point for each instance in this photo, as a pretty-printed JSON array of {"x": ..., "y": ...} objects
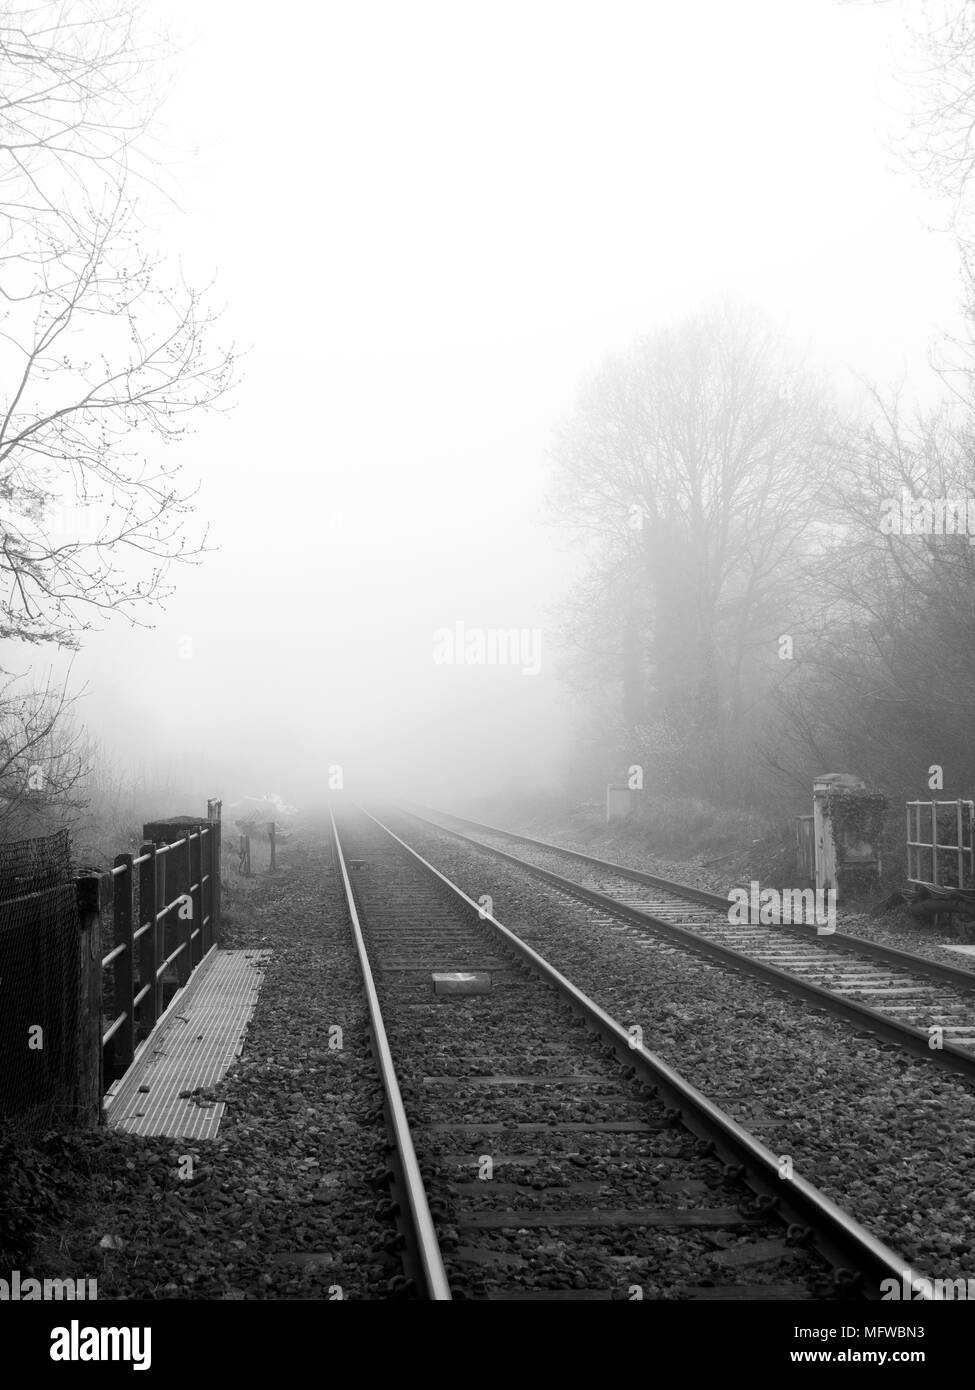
[{"x": 462, "y": 982}]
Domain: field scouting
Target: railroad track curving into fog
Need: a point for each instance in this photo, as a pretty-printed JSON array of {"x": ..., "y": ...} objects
[
  {"x": 916, "y": 1003},
  {"x": 537, "y": 1149}
]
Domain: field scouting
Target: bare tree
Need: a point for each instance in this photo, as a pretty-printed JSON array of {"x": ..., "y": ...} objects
[
  {"x": 887, "y": 683},
  {"x": 699, "y": 457},
  {"x": 105, "y": 351},
  {"x": 939, "y": 76},
  {"x": 44, "y": 759}
]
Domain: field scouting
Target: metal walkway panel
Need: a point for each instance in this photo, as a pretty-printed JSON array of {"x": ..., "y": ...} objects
[{"x": 192, "y": 1046}]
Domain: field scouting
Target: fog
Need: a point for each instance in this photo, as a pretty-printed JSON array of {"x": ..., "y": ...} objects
[{"x": 429, "y": 224}]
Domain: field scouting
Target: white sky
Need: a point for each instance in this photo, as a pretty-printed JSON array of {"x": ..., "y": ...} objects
[{"x": 430, "y": 221}]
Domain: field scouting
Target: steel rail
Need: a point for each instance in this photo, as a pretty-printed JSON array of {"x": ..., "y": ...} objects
[
  {"x": 948, "y": 1057},
  {"x": 428, "y": 1247},
  {"x": 835, "y": 1233},
  {"x": 832, "y": 941}
]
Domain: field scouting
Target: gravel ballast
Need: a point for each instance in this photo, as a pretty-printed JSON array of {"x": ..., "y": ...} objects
[
  {"x": 895, "y": 928},
  {"x": 280, "y": 1204},
  {"x": 888, "y": 1138}
]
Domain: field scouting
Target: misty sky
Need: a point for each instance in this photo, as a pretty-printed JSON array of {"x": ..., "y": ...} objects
[{"x": 430, "y": 222}]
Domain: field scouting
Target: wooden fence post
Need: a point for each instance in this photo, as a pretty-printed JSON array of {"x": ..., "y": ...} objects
[
  {"x": 270, "y": 835},
  {"x": 160, "y": 866},
  {"x": 196, "y": 896},
  {"x": 184, "y": 924},
  {"x": 207, "y": 889},
  {"x": 88, "y": 1089},
  {"x": 216, "y": 907},
  {"x": 123, "y": 1043},
  {"x": 147, "y": 941}
]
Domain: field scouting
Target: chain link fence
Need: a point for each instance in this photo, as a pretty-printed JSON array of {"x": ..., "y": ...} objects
[{"x": 38, "y": 982}]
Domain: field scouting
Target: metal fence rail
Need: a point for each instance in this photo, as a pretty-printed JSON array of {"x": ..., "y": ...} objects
[{"x": 938, "y": 862}]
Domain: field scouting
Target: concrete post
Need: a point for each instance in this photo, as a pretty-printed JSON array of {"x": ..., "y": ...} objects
[
  {"x": 619, "y": 803},
  {"x": 826, "y": 864}
]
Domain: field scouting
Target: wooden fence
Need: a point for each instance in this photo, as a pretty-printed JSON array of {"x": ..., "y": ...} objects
[
  {"x": 90, "y": 965},
  {"x": 164, "y": 909},
  {"x": 805, "y": 836},
  {"x": 244, "y": 866}
]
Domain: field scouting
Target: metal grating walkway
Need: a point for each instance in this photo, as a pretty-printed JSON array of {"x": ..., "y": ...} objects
[{"x": 193, "y": 1045}]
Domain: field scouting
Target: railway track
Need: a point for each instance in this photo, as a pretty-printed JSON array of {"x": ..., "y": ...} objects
[
  {"x": 537, "y": 1151},
  {"x": 915, "y": 1003}
]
